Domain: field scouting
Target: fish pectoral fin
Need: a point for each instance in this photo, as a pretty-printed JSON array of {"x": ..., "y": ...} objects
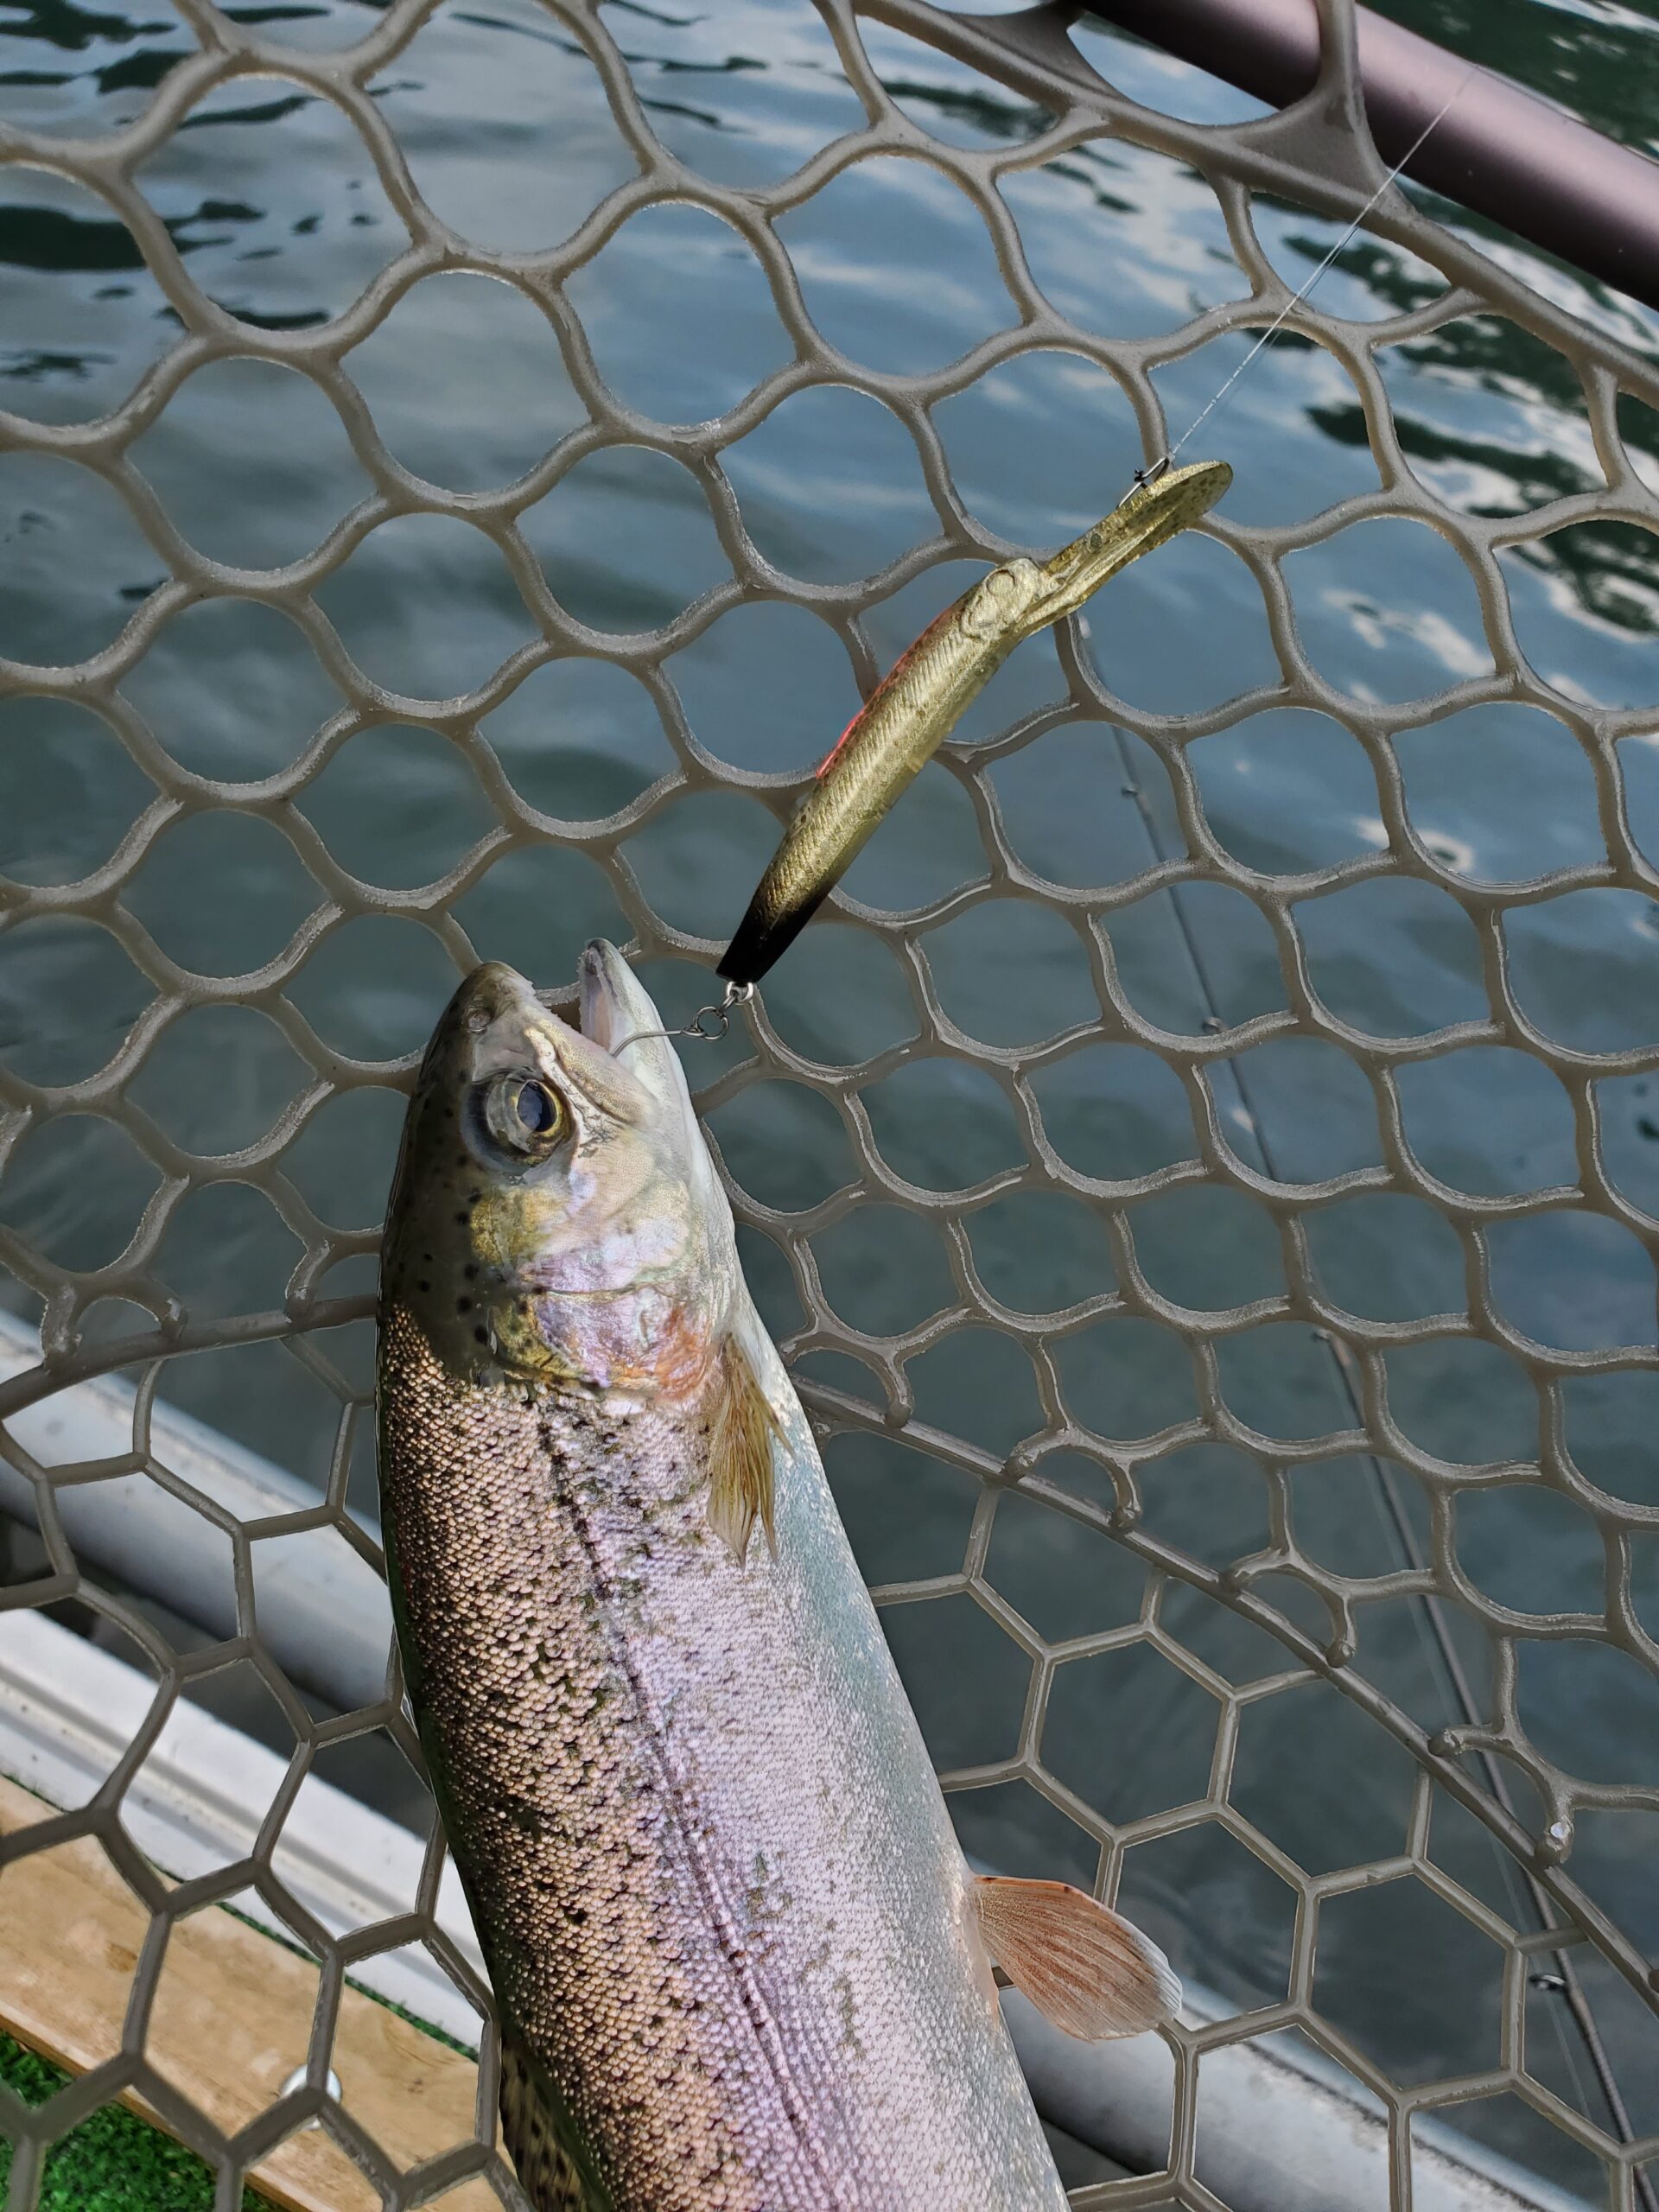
[
  {"x": 741, "y": 1427},
  {"x": 555, "y": 2170},
  {"x": 1086, "y": 1970}
]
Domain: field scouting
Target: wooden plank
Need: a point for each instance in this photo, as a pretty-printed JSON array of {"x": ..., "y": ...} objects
[{"x": 231, "y": 2022}]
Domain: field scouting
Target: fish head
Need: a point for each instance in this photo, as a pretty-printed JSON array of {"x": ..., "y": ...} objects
[{"x": 555, "y": 1217}]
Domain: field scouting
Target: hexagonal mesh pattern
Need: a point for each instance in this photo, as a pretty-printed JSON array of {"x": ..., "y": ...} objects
[{"x": 1155, "y": 1423}]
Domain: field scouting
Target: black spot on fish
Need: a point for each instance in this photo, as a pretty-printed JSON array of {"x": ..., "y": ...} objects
[
  {"x": 422, "y": 1285},
  {"x": 481, "y": 1336},
  {"x": 462, "y": 1220},
  {"x": 463, "y": 1306},
  {"x": 471, "y": 1272}
]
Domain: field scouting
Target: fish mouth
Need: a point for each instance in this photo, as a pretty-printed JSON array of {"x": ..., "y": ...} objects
[
  {"x": 619, "y": 1017},
  {"x": 612, "y": 1006}
]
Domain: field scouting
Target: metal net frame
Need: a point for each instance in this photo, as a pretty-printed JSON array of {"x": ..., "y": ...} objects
[{"x": 1483, "y": 1759}]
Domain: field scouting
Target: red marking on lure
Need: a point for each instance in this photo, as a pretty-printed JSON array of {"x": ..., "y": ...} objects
[{"x": 837, "y": 748}]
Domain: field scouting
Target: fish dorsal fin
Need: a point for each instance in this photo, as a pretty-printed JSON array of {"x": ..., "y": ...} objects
[
  {"x": 1085, "y": 1969},
  {"x": 555, "y": 2170},
  {"x": 741, "y": 1427}
]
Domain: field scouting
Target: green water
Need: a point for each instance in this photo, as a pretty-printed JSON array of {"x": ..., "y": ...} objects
[{"x": 278, "y": 213}]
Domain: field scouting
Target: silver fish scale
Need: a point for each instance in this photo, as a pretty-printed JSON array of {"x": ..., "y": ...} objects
[
  {"x": 1526, "y": 1802},
  {"x": 694, "y": 1815}
]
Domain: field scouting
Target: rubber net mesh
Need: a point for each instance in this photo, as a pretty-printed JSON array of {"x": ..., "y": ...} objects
[{"x": 1106, "y": 1197}]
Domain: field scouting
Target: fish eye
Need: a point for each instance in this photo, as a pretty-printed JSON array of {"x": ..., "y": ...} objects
[
  {"x": 535, "y": 1108},
  {"x": 525, "y": 1114}
]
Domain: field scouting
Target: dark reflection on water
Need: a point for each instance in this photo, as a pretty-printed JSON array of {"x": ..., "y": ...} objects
[{"x": 275, "y": 206}]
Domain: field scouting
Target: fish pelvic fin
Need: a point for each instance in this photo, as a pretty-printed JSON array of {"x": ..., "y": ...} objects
[
  {"x": 742, "y": 1427},
  {"x": 555, "y": 2170},
  {"x": 1087, "y": 1971}
]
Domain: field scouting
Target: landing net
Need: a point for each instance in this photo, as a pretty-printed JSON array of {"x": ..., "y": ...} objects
[{"x": 1218, "y": 1245}]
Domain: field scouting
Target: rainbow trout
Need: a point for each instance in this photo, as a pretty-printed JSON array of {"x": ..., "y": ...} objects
[{"x": 739, "y": 1960}]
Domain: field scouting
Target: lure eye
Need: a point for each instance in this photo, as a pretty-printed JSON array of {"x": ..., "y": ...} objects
[
  {"x": 998, "y": 599},
  {"x": 525, "y": 1115}
]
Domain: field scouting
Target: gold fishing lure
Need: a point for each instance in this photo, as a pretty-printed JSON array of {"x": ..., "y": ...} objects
[{"x": 918, "y": 705}]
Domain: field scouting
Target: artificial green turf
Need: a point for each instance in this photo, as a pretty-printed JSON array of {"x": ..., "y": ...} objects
[{"x": 113, "y": 2162}]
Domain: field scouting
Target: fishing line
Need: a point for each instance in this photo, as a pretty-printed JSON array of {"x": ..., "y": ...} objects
[
  {"x": 1567, "y": 1978},
  {"x": 1166, "y": 461},
  {"x": 781, "y": 907}
]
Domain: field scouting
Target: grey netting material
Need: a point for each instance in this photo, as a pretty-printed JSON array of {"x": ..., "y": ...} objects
[{"x": 1476, "y": 1755}]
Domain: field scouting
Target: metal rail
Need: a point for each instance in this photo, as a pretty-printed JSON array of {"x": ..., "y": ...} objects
[{"x": 319, "y": 1602}]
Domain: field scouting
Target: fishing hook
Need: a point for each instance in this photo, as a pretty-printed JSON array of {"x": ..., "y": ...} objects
[{"x": 722, "y": 1009}]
